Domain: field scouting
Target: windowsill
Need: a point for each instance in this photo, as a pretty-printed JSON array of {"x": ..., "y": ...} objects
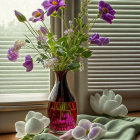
[
  {"x": 14, "y": 102},
  {"x": 14, "y": 107}
]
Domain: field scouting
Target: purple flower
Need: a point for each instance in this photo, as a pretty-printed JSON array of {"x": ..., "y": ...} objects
[
  {"x": 53, "y": 5},
  {"x": 42, "y": 39},
  {"x": 43, "y": 30},
  {"x": 12, "y": 54},
  {"x": 100, "y": 41},
  {"x": 107, "y": 12},
  {"x": 28, "y": 63},
  {"x": 20, "y": 17},
  {"x": 86, "y": 131},
  {"x": 66, "y": 32},
  {"x": 37, "y": 15}
]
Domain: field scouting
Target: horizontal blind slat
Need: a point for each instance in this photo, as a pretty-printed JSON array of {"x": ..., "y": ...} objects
[{"x": 116, "y": 66}]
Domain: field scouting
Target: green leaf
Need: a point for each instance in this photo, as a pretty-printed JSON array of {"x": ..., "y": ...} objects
[
  {"x": 39, "y": 43},
  {"x": 43, "y": 56},
  {"x": 60, "y": 52},
  {"x": 74, "y": 66},
  {"x": 86, "y": 54},
  {"x": 27, "y": 41}
]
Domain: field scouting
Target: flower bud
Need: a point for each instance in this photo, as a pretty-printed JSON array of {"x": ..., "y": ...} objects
[{"x": 20, "y": 17}]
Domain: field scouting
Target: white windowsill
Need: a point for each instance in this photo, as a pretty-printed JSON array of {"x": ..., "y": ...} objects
[{"x": 14, "y": 107}]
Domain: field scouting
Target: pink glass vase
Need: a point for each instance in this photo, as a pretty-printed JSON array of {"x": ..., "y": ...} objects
[{"x": 62, "y": 108}]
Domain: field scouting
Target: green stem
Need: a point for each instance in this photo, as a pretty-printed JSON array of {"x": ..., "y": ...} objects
[
  {"x": 33, "y": 45},
  {"x": 32, "y": 28},
  {"x": 63, "y": 21}
]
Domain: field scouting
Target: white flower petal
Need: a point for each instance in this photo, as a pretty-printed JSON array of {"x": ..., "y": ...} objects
[
  {"x": 109, "y": 106},
  {"x": 20, "y": 135},
  {"x": 111, "y": 95},
  {"x": 94, "y": 133},
  {"x": 97, "y": 96},
  {"x": 94, "y": 104},
  {"x": 33, "y": 114},
  {"x": 34, "y": 126},
  {"x": 118, "y": 98},
  {"x": 98, "y": 125},
  {"x": 30, "y": 115},
  {"x": 85, "y": 138},
  {"x": 101, "y": 134},
  {"x": 84, "y": 123},
  {"x": 78, "y": 132},
  {"x": 105, "y": 92},
  {"x": 20, "y": 128},
  {"x": 102, "y": 102},
  {"x": 119, "y": 111},
  {"x": 45, "y": 121},
  {"x": 38, "y": 115}
]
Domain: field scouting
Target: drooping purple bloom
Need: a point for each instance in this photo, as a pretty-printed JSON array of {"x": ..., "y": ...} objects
[
  {"x": 107, "y": 12},
  {"x": 37, "y": 15},
  {"x": 43, "y": 30},
  {"x": 100, "y": 41},
  {"x": 104, "y": 41},
  {"x": 53, "y": 5},
  {"x": 12, "y": 54},
  {"x": 28, "y": 64}
]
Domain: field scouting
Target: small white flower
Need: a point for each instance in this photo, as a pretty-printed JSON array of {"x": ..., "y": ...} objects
[
  {"x": 108, "y": 103},
  {"x": 51, "y": 62},
  {"x": 88, "y": 131},
  {"x": 35, "y": 123}
]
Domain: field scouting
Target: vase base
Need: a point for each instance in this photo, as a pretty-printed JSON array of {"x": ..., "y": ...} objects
[{"x": 58, "y": 132}]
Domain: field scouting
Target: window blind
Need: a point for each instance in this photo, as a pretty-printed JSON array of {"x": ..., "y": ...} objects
[
  {"x": 13, "y": 76},
  {"x": 116, "y": 66}
]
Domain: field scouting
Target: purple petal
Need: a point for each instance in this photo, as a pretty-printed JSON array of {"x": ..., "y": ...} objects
[
  {"x": 28, "y": 63},
  {"x": 104, "y": 40},
  {"x": 95, "y": 36},
  {"x": 84, "y": 123},
  {"x": 78, "y": 132},
  {"x": 101, "y": 4},
  {"x": 34, "y": 13},
  {"x": 43, "y": 30},
  {"x": 12, "y": 55},
  {"x": 51, "y": 10},
  {"x": 67, "y": 135},
  {"x": 94, "y": 133},
  {"x": 103, "y": 16},
  {"x": 46, "y": 4},
  {"x": 97, "y": 42},
  {"x": 98, "y": 125},
  {"x": 111, "y": 17}
]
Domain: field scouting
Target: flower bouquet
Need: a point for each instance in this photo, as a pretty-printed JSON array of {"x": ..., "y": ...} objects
[{"x": 61, "y": 54}]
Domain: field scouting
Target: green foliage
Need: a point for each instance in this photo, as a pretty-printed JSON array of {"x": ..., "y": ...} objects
[
  {"x": 74, "y": 66},
  {"x": 27, "y": 41},
  {"x": 86, "y": 54}
]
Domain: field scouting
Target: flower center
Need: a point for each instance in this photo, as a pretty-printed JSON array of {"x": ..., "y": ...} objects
[
  {"x": 55, "y": 3},
  {"x": 105, "y": 10},
  {"x": 87, "y": 132},
  {"x": 38, "y": 14}
]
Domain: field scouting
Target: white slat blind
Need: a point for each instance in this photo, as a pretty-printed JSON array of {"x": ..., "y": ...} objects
[
  {"x": 116, "y": 66},
  {"x": 13, "y": 76}
]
